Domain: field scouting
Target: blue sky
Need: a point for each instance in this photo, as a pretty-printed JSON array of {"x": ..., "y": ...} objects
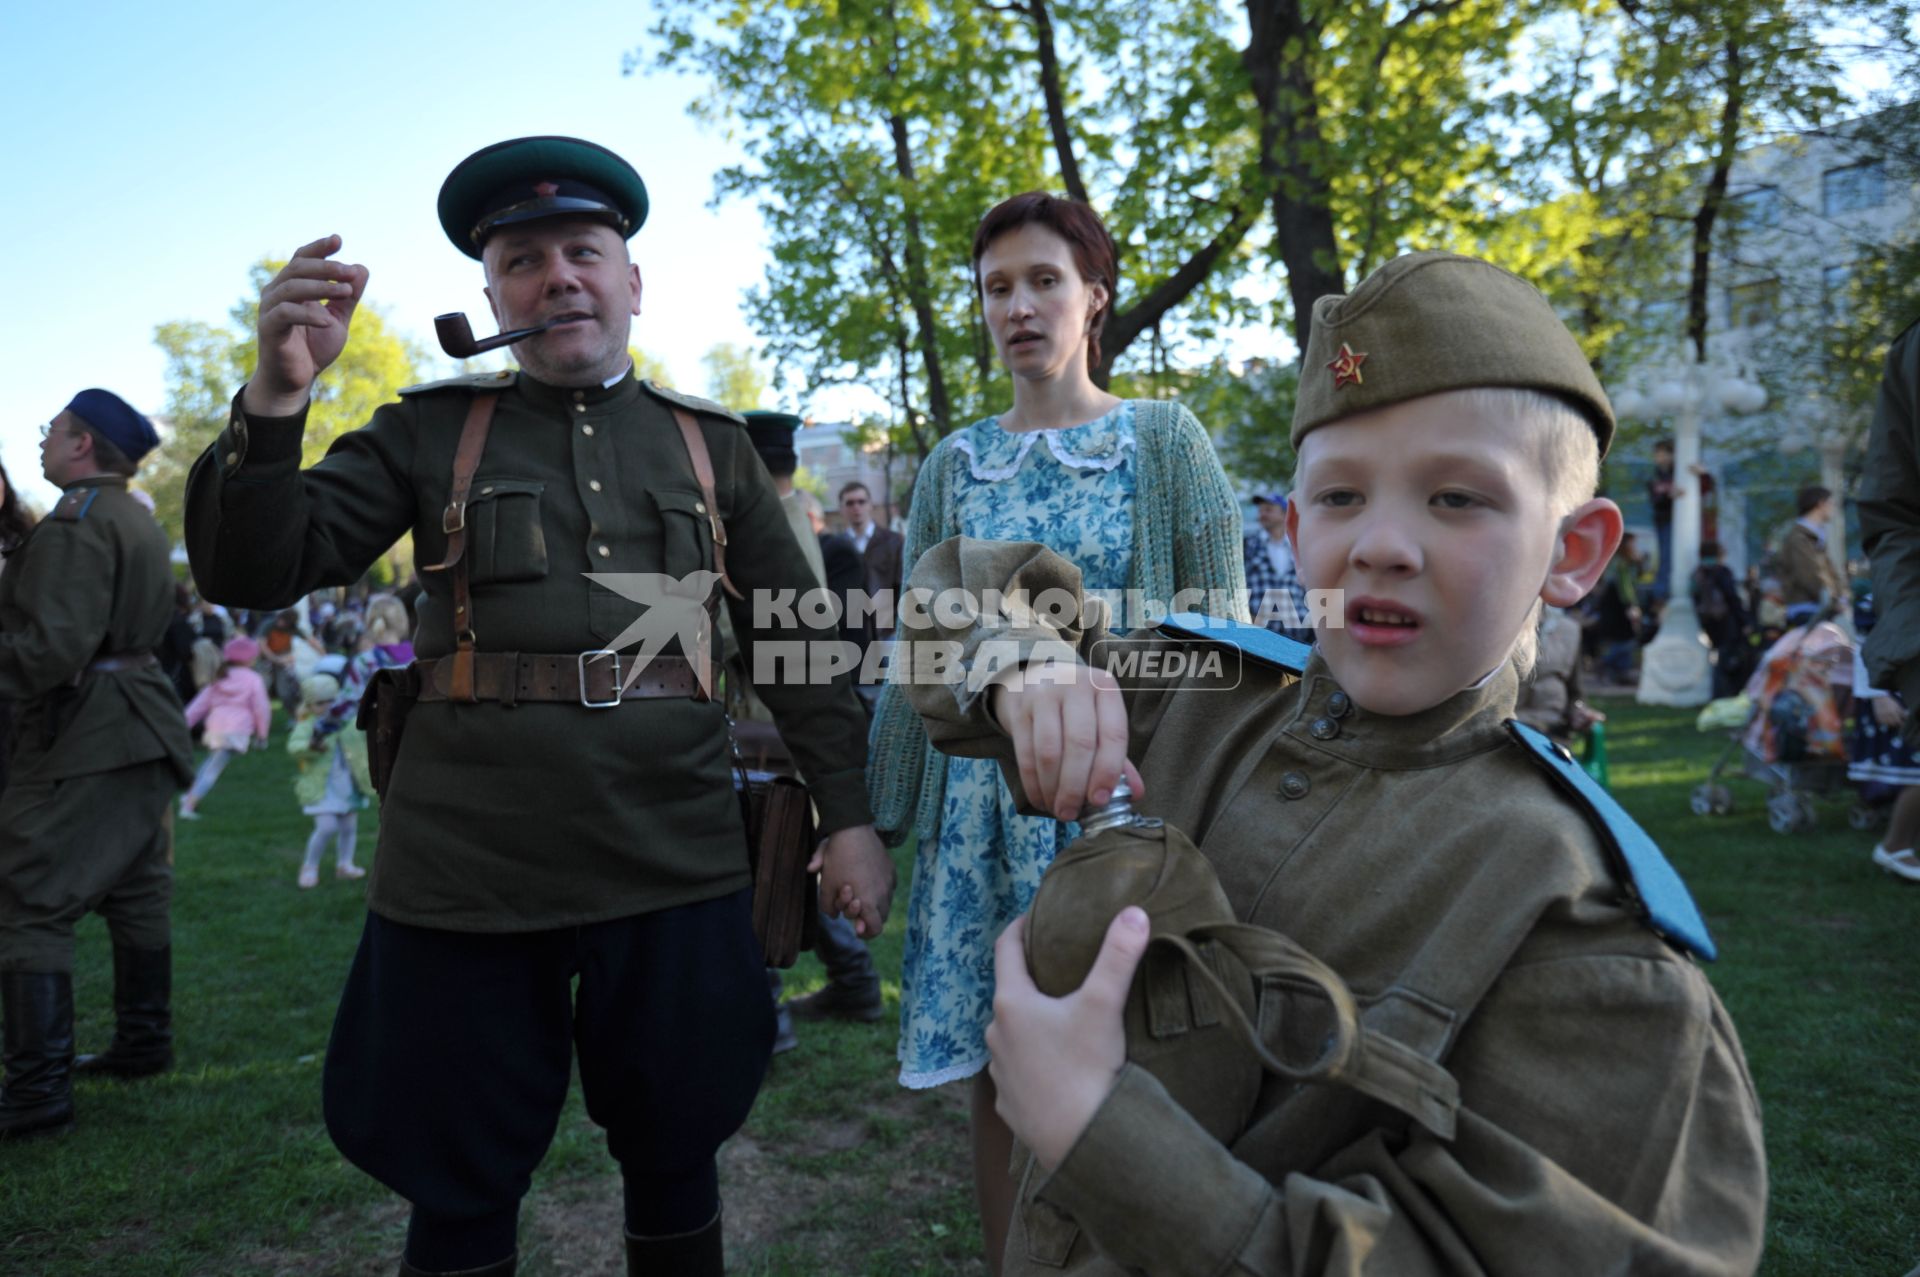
[{"x": 156, "y": 152}]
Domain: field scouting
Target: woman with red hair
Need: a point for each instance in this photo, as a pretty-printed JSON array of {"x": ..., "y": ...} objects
[{"x": 1129, "y": 490}]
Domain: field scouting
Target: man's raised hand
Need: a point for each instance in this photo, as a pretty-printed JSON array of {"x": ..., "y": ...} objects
[{"x": 304, "y": 314}]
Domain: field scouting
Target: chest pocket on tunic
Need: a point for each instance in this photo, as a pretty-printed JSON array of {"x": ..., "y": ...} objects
[
  {"x": 685, "y": 547},
  {"x": 686, "y": 537},
  {"x": 505, "y": 540}
]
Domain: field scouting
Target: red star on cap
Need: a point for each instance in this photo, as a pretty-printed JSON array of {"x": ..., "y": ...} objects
[
  {"x": 546, "y": 190},
  {"x": 1346, "y": 367}
]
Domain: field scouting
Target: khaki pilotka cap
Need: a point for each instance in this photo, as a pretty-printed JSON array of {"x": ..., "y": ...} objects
[{"x": 1429, "y": 322}]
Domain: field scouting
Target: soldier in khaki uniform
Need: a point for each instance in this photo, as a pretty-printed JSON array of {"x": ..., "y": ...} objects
[
  {"x": 99, "y": 749},
  {"x": 554, "y": 815},
  {"x": 1372, "y": 802}
]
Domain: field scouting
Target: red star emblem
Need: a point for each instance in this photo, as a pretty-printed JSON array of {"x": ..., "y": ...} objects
[
  {"x": 546, "y": 190},
  {"x": 1346, "y": 366}
]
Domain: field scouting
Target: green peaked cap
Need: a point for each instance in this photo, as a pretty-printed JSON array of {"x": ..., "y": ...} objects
[
  {"x": 1430, "y": 322},
  {"x": 527, "y": 178}
]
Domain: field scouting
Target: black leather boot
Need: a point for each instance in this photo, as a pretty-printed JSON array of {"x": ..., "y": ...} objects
[
  {"x": 697, "y": 1254},
  {"x": 142, "y": 1016},
  {"x": 37, "y": 1093},
  {"x": 502, "y": 1269}
]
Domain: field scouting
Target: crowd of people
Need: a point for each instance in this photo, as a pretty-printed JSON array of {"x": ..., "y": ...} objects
[{"x": 1433, "y": 936}]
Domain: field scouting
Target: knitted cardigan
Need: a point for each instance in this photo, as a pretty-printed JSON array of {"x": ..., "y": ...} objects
[{"x": 1186, "y": 535}]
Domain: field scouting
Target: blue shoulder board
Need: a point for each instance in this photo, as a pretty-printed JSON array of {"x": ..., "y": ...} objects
[
  {"x": 1256, "y": 641},
  {"x": 1663, "y": 897},
  {"x": 73, "y": 507}
]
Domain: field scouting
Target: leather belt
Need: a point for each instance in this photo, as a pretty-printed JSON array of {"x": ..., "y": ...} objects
[
  {"x": 591, "y": 679},
  {"x": 123, "y": 661}
]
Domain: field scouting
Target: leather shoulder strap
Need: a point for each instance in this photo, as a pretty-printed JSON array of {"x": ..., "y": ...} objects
[
  {"x": 703, "y": 472},
  {"x": 453, "y": 521}
]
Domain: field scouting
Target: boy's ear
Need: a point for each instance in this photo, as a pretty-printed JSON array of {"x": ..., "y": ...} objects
[
  {"x": 1293, "y": 524},
  {"x": 1585, "y": 545}
]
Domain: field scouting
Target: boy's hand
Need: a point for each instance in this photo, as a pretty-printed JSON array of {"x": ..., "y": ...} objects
[
  {"x": 1068, "y": 723},
  {"x": 1055, "y": 1059}
]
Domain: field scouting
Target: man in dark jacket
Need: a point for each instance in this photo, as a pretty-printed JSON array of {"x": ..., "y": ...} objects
[{"x": 1889, "y": 505}]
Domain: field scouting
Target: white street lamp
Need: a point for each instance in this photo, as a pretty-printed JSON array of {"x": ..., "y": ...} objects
[{"x": 1675, "y": 668}]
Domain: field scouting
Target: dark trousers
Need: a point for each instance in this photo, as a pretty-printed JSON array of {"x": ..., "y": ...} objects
[
  {"x": 87, "y": 844},
  {"x": 451, "y": 1054}
]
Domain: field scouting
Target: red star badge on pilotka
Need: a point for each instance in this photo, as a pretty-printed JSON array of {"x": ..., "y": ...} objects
[
  {"x": 1346, "y": 366},
  {"x": 546, "y": 190}
]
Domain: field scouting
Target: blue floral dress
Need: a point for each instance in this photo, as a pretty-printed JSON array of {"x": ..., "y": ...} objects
[{"x": 1071, "y": 490}]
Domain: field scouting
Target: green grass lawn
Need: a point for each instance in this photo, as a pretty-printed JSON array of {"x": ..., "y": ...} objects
[{"x": 222, "y": 1166}]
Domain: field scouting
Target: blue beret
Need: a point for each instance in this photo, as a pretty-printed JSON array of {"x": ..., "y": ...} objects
[{"x": 115, "y": 418}]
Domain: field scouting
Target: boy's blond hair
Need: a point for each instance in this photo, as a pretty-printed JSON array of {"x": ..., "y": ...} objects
[{"x": 1569, "y": 460}]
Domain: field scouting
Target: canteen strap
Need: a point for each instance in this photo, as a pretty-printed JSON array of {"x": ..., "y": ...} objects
[{"x": 1356, "y": 1057}]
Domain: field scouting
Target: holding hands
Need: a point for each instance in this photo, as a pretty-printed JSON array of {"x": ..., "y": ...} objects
[
  {"x": 1068, "y": 723},
  {"x": 856, "y": 878},
  {"x": 1055, "y": 1059},
  {"x": 304, "y": 314}
]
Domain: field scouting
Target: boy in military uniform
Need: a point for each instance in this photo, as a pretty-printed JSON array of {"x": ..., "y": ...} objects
[
  {"x": 99, "y": 749},
  {"x": 1371, "y": 801},
  {"x": 562, "y": 863}
]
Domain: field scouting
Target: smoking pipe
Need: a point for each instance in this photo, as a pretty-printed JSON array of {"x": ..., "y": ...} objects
[{"x": 456, "y": 336}]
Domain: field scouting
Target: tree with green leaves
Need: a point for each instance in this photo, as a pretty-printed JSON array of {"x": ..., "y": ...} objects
[
  {"x": 208, "y": 363},
  {"x": 735, "y": 378},
  {"x": 647, "y": 367},
  {"x": 880, "y": 130}
]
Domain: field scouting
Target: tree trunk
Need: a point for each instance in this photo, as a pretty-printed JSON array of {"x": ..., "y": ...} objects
[
  {"x": 1123, "y": 326},
  {"x": 1056, "y": 100},
  {"x": 919, "y": 292},
  {"x": 1725, "y": 149},
  {"x": 1277, "y": 58}
]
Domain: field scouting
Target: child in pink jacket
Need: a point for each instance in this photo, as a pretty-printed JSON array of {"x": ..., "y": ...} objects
[{"x": 235, "y": 710}]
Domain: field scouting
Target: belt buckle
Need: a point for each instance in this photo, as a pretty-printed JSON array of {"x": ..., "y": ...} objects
[{"x": 581, "y": 661}]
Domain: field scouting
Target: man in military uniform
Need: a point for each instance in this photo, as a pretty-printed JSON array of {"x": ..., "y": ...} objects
[
  {"x": 554, "y": 815},
  {"x": 100, "y": 748},
  {"x": 852, "y": 991}
]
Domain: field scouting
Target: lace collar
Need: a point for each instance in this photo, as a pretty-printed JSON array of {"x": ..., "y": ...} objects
[{"x": 994, "y": 454}]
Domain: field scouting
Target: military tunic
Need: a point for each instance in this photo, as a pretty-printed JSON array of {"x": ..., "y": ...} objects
[
  {"x": 536, "y": 815},
  {"x": 1607, "y": 1121},
  {"x": 97, "y": 755},
  {"x": 1889, "y": 503}
]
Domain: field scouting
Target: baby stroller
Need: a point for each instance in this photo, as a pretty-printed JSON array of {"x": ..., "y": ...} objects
[{"x": 1792, "y": 739}]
